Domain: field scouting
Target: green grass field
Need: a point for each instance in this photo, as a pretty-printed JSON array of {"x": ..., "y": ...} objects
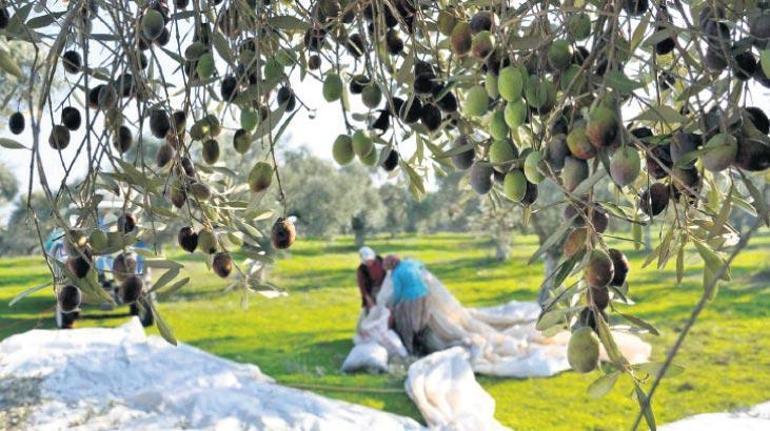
[{"x": 303, "y": 338}]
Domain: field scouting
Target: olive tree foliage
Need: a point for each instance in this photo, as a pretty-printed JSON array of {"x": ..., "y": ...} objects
[
  {"x": 18, "y": 61},
  {"x": 325, "y": 199},
  {"x": 654, "y": 95}
]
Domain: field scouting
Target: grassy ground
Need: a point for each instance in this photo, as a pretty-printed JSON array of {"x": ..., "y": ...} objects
[{"x": 303, "y": 338}]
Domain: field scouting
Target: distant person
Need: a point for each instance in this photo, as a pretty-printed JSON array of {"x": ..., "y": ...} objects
[
  {"x": 370, "y": 275},
  {"x": 409, "y": 304}
]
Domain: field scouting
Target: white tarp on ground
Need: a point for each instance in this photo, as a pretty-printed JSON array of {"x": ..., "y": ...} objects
[
  {"x": 449, "y": 397},
  {"x": 105, "y": 379},
  {"x": 100, "y": 379},
  {"x": 755, "y": 419},
  {"x": 499, "y": 341}
]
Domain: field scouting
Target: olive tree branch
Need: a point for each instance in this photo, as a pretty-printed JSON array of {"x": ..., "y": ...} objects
[{"x": 707, "y": 292}]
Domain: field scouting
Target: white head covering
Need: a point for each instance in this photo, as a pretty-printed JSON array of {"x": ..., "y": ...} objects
[{"x": 367, "y": 254}]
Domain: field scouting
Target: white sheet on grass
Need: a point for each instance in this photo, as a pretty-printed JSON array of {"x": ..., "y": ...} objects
[
  {"x": 499, "y": 341},
  {"x": 756, "y": 418},
  {"x": 106, "y": 379}
]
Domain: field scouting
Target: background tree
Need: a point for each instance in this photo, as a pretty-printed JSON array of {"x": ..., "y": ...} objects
[
  {"x": 9, "y": 186},
  {"x": 326, "y": 199}
]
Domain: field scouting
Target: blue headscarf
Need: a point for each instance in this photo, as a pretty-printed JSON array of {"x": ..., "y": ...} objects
[{"x": 408, "y": 283}]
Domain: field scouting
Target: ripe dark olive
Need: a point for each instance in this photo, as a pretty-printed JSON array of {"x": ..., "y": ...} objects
[
  {"x": 752, "y": 155},
  {"x": 412, "y": 114},
  {"x": 187, "y": 166},
  {"x": 164, "y": 155},
  {"x": 222, "y": 264},
  {"x": 229, "y": 88},
  {"x": 430, "y": 116},
  {"x": 79, "y": 264},
  {"x": 283, "y": 234},
  {"x": 599, "y": 218},
  {"x": 5, "y": 17},
  {"x": 314, "y": 38},
  {"x": 126, "y": 223},
  {"x": 59, "y": 138},
  {"x": 745, "y": 65},
  {"x": 391, "y": 162},
  {"x": 70, "y": 117},
  {"x": 131, "y": 289},
  {"x": 599, "y": 270},
  {"x": 759, "y": 119},
  {"x": 447, "y": 102},
  {"x": 123, "y": 139},
  {"x": 164, "y": 38},
  {"x": 69, "y": 298},
  {"x": 482, "y": 21},
  {"x": 93, "y": 96},
  {"x": 16, "y": 123},
  {"x": 666, "y": 45},
  {"x": 357, "y": 84},
  {"x": 463, "y": 160},
  {"x": 314, "y": 62},
  {"x": 659, "y": 162},
  {"x": 620, "y": 262},
  {"x": 394, "y": 42},
  {"x": 188, "y": 239},
  {"x": 383, "y": 121},
  {"x": 123, "y": 266},
  {"x": 587, "y": 318},
  {"x": 530, "y": 195},
  {"x": 125, "y": 84},
  {"x": 72, "y": 61},
  {"x": 655, "y": 199},
  {"x": 636, "y": 7},
  {"x": 355, "y": 45},
  {"x": 286, "y": 96},
  {"x": 600, "y": 297},
  {"x": 159, "y": 123},
  {"x": 423, "y": 84}
]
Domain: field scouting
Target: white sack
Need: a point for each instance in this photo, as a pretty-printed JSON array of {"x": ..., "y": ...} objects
[
  {"x": 371, "y": 357},
  {"x": 373, "y": 328}
]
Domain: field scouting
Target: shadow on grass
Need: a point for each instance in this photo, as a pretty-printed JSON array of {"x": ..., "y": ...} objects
[{"x": 28, "y": 305}]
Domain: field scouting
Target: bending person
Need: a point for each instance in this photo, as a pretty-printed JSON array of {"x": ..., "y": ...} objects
[
  {"x": 409, "y": 304},
  {"x": 370, "y": 274}
]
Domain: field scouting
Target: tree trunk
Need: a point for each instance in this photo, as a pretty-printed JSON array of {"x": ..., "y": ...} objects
[
  {"x": 502, "y": 250},
  {"x": 360, "y": 237},
  {"x": 551, "y": 262}
]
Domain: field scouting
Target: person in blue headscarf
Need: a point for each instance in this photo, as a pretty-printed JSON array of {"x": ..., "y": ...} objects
[{"x": 408, "y": 303}]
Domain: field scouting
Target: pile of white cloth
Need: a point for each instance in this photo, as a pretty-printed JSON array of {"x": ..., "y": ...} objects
[{"x": 497, "y": 341}]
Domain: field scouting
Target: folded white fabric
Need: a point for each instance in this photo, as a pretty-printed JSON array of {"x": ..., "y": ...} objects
[{"x": 446, "y": 392}]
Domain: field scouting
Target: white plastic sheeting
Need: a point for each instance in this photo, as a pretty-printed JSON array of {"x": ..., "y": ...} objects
[
  {"x": 106, "y": 379},
  {"x": 755, "y": 419},
  {"x": 445, "y": 389},
  {"x": 499, "y": 341}
]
